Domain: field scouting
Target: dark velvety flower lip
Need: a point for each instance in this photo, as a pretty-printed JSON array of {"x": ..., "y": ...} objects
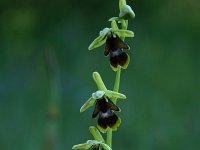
[
  {"x": 121, "y": 59},
  {"x": 103, "y": 105},
  {"x": 105, "y": 108},
  {"x": 113, "y": 43},
  {"x": 112, "y": 122},
  {"x": 107, "y": 119},
  {"x": 114, "y": 47}
]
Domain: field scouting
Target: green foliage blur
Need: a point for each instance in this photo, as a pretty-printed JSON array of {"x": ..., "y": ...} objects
[{"x": 46, "y": 74}]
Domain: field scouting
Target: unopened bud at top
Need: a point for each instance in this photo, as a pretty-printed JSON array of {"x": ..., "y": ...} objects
[{"x": 126, "y": 12}]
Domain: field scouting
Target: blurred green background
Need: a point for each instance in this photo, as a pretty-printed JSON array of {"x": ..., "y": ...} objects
[{"x": 45, "y": 74}]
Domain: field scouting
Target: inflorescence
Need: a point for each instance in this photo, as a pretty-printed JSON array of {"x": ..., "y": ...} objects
[{"x": 103, "y": 100}]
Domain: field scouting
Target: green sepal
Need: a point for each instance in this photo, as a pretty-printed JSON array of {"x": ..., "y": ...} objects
[
  {"x": 96, "y": 134},
  {"x": 126, "y": 12},
  {"x": 127, "y": 62},
  {"x": 98, "y": 81},
  {"x": 124, "y": 33},
  {"x": 112, "y": 94},
  {"x": 105, "y": 146},
  {"x": 90, "y": 102},
  {"x": 99, "y": 41},
  {"x": 82, "y": 146}
]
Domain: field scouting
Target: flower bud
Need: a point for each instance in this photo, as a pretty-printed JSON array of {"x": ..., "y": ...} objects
[{"x": 126, "y": 12}]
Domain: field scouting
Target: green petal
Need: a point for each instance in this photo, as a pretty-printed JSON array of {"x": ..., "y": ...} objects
[
  {"x": 114, "y": 25},
  {"x": 124, "y": 24},
  {"x": 98, "y": 81},
  {"x": 127, "y": 63},
  {"x": 128, "y": 47},
  {"x": 99, "y": 41},
  {"x": 124, "y": 33},
  {"x": 90, "y": 102},
  {"x": 105, "y": 146},
  {"x": 111, "y": 94},
  {"x": 96, "y": 134},
  {"x": 82, "y": 146},
  {"x": 114, "y": 18}
]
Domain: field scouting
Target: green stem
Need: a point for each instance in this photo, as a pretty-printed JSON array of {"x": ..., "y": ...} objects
[
  {"x": 109, "y": 138},
  {"x": 117, "y": 82},
  {"x": 117, "y": 79},
  {"x": 122, "y": 3},
  {"x": 116, "y": 89}
]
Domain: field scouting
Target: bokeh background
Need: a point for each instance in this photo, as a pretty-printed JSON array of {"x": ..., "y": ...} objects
[{"x": 46, "y": 74}]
